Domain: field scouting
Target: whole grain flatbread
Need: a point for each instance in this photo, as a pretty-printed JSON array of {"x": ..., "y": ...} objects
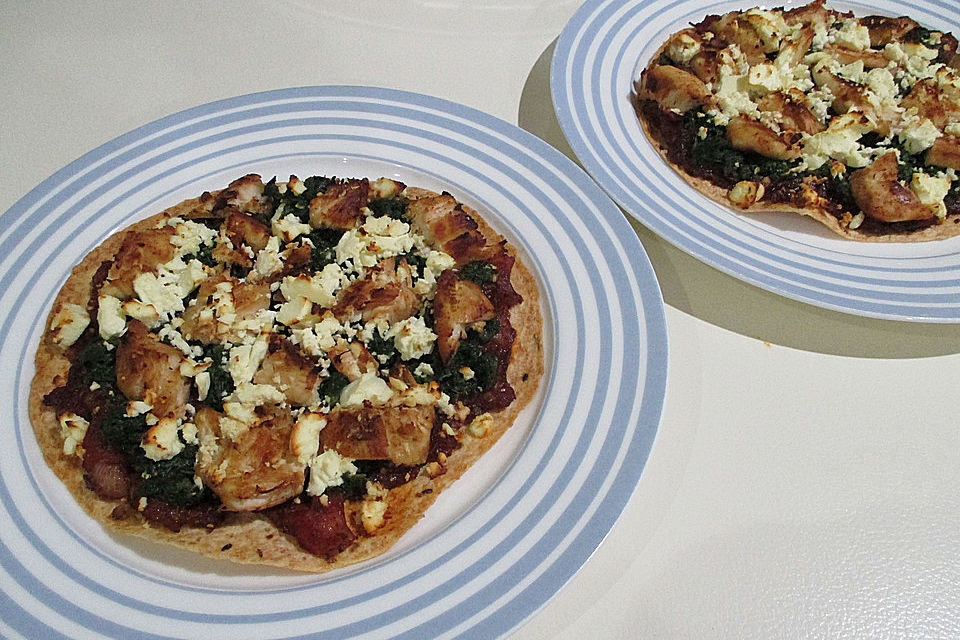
[{"x": 249, "y": 537}]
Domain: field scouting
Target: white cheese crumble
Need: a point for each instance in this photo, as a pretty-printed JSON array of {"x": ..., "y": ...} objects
[
  {"x": 166, "y": 289},
  {"x": 918, "y": 135},
  {"x": 240, "y": 407},
  {"x": 682, "y": 48},
  {"x": 377, "y": 238},
  {"x": 931, "y": 190},
  {"x": 319, "y": 338},
  {"x": 110, "y": 317},
  {"x": 305, "y": 436},
  {"x": 412, "y": 337},
  {"x": 289, "y": 227},
  {"x": 327, "y": 470},
  {"x": 246, "y": 358},
  {"x": 851, "y": 35},
  {"x": 69, "y": 321},
  {"x": 190, "y": 236},
  {"x": 369, "y": 386},
  {"x": 423, "y": 370},
  {"x": 162, "y": 440},
  {"x": 839, "y": 142},
  {"x": 73, "y": 428},
  {"x": 268, "y": 259}
]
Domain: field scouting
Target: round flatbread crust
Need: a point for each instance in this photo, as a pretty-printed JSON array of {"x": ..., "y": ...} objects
[{"x": 249, "y": 538}]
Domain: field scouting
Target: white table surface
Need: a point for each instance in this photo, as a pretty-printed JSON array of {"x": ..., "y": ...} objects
[{"x": 805, "y": 481}]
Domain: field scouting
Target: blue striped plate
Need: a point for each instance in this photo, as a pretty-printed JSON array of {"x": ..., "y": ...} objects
[
  {"x": 601, "y": 52},
  {"x": 502, "y": 540}
]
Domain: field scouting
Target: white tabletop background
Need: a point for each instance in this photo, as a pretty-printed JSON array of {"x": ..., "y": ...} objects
[{"x": 805, "y": 481}]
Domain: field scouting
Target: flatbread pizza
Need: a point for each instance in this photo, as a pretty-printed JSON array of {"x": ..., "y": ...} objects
[
  {"x": 285, "y": 373},
  {"x": 852, "y": 121}
]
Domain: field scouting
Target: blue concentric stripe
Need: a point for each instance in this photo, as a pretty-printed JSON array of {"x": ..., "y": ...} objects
[
  {"x": 593, "y": 57},
  {"x": 607, "y": 229}
]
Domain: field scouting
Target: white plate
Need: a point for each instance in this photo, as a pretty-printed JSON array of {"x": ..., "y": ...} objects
[
  {"x": 504, "y": 538},
  {"x": 598, "y": 56}
]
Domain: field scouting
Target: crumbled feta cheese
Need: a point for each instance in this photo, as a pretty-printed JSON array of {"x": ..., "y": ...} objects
[
  {"x": 682, "y": 48},
  {"x": 851, "y": 35},
  {"x": 162, "y": 441},
  {"x": 190, "y": 235},
  {"x": 373, "y": 509},
  {"x": 268, "y": 259},
  {"x": 378, "y": 238},
  {"x": 289, "y": 227},
  {"x": 918, "y": 135},
  {"x": 246, "y": 358},
  {"x": 141, "y": 311},
  {"x": 305, "y": 437},
  {"x": 480, "y": 425},
  {"x": 137, "y": 408},
  {"x": 882, "y": 83},
  {"x": 293, "y": 312},
  {"x": 159, "y": 292},
  {"x": 412, "y": 337},
  {"x": 68, "y": 323},
  {"x": 423, "y": 370},
  {"x": 854, "y": 72},
  {"x": 188, "y": 431},
  {"x": 733, "y": 95},
  {"x": 253, "y": 395},
  {"x": 110, "y": 318},
  {"x": 73, "y": 428},
  {"x": 327, "y": 470},
  {"x": 320, "y": 288},
  {"x": 369, "y": 386},
  {"x": 839, "y": 142},
  {"x": 931, "y": 191},
  {"x": 202, "y": 381},
  {"x": 319, "y": 338},
  {"x": 770, "y": 26},
  {"x": 172, "y": 336}
]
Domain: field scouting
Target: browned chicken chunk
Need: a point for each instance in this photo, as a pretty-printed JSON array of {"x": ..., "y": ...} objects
[
  {"x": 945, "y": 152},
  {"x": 457, "y": 305},
  {"x": 442, "y": 221},
  {"x": 149, "y": 370},
  {"x": 794, "y": 113},
  {"x": 386, "y": 291},
  {"x": 244, "y": 193},
  {"x": 141, "y": 251},
  {"x": 880, "y": 195},
  {"x": 884, "y": 29},
  {"x": 352, "y": 359},
  {"x": 749, "y": 135},
  {"x": 673, "y": 88},
  {"x": 940, "y": 104},
  {"x": 287, "y": 369},
  {"x": 247, "y": 235},
  {"x": 254, "y": 469},
  {"x": 340, "y": 206},
  {"x": 400, "y": 434}
]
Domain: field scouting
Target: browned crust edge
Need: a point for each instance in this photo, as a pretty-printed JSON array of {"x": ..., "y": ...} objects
[{"x": 251, "y": 538}]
